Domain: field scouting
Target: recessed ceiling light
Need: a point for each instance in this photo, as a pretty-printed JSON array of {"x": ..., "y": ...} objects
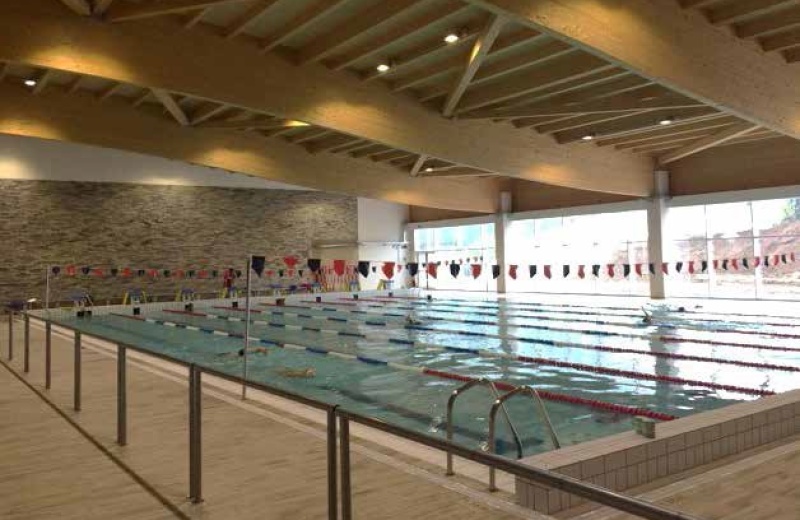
[
  {"x": 30, "y": 82},
  {"x": 666, "y": 121},
  {"x": 587, "y": 137},
  {"x": 383, "y": 67},
  {"x": 428, "y": 169},
  {"x": 452, "y": 37}
]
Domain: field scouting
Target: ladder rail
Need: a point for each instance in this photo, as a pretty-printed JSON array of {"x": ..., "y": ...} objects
[
  {"x": 451, "y": 404},
  {"x": 500, "y": 403}
]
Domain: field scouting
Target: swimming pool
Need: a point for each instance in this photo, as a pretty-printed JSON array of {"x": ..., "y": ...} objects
[{"x": 596, "y": 366}]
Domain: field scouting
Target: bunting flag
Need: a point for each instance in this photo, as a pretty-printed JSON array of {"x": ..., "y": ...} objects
[
  {"x": 314, "y": 264},
  {"x": 98, "y": 272},
  {"x": 476, "y": 270},
  {"x": 455, "y": 269},
  {"x": 547, "y": 272},
  {"x": 756, "y": 262},
  {"x": 783, "y": 259},
  {"x": 745, "y": 263},
  {"x": 665, "y": 267},
  {"x": 495, "y": 272},
  {"x": 388, "y": 270},
  {"x": 775, "y": 259},
  {"x": 791, "y": 257},
  {"x": 413, "y": 268},
  {"x": 270, "y": 273},
  {"x": 735, "y": 264},
  {"x": 703, "y": 266},
  {"x": 652, "y": 268},
  {"x": 280, "y": 273},
  {"x": 238, "y": 273},
  {"x": 626, "y": 270},
  {"x": 257, "y": 264},
  {"x": 581, "y": 271},
  {"x": 191, "y": 272},
  {"x": 679, "y": 266},
  {"x": 114, "y": 271},
  {"x": 532, "y": 270},
  {"x": 691, "y": 266},
  {"x": 126, "y": 272},
  {"x": 610, "y": 270},
  {"x": 153, "y": 273},
  {"x": 55, "y": 270},
  {"x": 85, "y": 270},
  {"x": 565, "y": 270},
  {"x": 638, "y": 269},
  {"x": 725, "y": 264},
  {"x": 290, "y": 261},
  {"x": 290, "y": 272},
  {"x": 140, "y": 272},
  {"x": 766, "y": 261},
  {"x": 431, "y": 269},
  {"x": 512, "y": 271},
  {"x": 70, "y": 270},
  {"x": 596, "y": 270},
  {"x": 338, "y": 267},
  {"x": 300, "y": 272}
]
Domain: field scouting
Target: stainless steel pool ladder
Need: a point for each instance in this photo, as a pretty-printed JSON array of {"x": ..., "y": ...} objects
[
  {"x": 451, "y": 403},
  {"x": 500, "y": 403}
]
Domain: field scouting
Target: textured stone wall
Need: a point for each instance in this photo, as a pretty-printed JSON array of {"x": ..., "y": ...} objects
[{"x": 139, "y": 226}]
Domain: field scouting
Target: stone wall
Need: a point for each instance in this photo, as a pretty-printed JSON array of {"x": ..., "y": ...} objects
[{"x": 146, "y": 226}]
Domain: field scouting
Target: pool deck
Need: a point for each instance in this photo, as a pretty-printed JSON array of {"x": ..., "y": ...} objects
[{"x": 257, "y": 463}]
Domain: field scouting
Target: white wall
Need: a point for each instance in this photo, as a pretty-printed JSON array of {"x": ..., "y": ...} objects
[
  {"x": 27, "y": 158},
  {"x": 380, "y": 221}
]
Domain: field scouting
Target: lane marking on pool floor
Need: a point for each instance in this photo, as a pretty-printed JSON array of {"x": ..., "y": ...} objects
[
  {"x": 630, "y": 374},
  {"x": 502, "y": 385},
  {"x": 544, "y": 342}
]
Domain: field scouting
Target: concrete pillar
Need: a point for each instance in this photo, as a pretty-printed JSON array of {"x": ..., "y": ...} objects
[
  {"x": 656, "y": 220},
  {"x": 500, "y": 229}
]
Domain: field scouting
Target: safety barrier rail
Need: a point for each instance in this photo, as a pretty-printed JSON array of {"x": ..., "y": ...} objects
[{"x": 338, "y": 427}]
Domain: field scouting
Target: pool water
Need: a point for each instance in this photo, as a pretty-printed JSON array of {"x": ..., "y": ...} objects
[{"x": 682, "y": 363}]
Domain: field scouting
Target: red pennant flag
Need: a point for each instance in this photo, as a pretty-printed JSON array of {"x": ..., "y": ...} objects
[
  {"x": 338, "y": 267},
  {"x": 776, "y": 259},
  {"x": 290, "y": 272},
  {"x": 152, "y": 273},
  {"x": 715, "y": 263},
  {"x": 665, "y": 267},
  {"x": 290, "y": 261},
  {"x": 97, "y": 272},
  {"x": 581, "y": 271},
  {"x": 71, "y": 270},
  {"x": 756, "y": 261},
  {"x": 431, "y": 269},
  {"x": 610, "y": 270},
  {"x": 791, "y": 257},
  {"x": 388, "y": 270},
  {"x": 691, "y": 266},
  {"x": 547, "y": 272},
  {"x": 735, "y": 264},
  {"x": 512, "y": 271},
  {"x": 270, "y": 273},
  {"x": 127, "y": 272},
  {"x": 638, "y": 269},
  {"x": 476, "y": 270}
]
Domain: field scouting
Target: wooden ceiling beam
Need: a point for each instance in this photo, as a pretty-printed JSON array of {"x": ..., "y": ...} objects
[
  {"x": 680, "y": 127},
  {"x": 775, "y": 22},
  {"x": 3, "y": 70},
  {"x": 374, "y": 18},
  {"x": 707, "y": 142},
  {"x": 172, "y": 106},
  {"x": 455, "y": 172},
  {"x": 249, "y": 17},
  {"x": 374, "y": 46},
  {"x": 269, "y": 84},
  {"x": 554, "y": 72},
  {"x": 110, "y": 91},
  {"x": 42, "y": 80},
  {"x": 129, "y": 11},
  {"x": 631, "y": 124},
  {"x": 780, "y": 41},
  {"x": 80, "y": 119},
  {"x": 479, "y": 52},
  {"x": 206, "y": 112},
  {"x": 686, "y": 55},
  {"x": 100, "y": 7},
  {"x": 743, "y": 10},
  {"x": 308, "y": 135},
  {"x": 329, "y": 142},
  {"x": 304, "y": 19},
  {"x": 370, "y": 150},
  {"x": 418, "y": 164}
]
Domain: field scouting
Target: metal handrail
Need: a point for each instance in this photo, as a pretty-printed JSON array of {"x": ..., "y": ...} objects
[
  {"x": 500, "y": 403},
  {"x": 547, "y": 478},
  {"x": 451, "y": 401}
]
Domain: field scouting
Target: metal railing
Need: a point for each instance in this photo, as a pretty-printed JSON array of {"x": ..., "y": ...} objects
[{"x": 338, "y": 425}]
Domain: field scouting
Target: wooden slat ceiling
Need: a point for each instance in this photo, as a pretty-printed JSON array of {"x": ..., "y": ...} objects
[{"x": 492, "y": 69}]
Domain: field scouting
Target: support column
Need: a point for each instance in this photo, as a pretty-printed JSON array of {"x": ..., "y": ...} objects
[
  {"x": 500, "y": 228},
  {"x": 656, "y": 220}
]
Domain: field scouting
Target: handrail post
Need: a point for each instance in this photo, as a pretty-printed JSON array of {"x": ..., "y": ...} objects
[
  {"x": 195, "y": 437},
  {"x": 77, "y": 376},
  {"x": 26, "y": 358},
  {"x": 48, "y": 360},
  {"x": 333, "y": 489},
  {"x": 122, "y": 396},
  {"x": 10, "y": 334},
  {"x": 344, "y": 466}
]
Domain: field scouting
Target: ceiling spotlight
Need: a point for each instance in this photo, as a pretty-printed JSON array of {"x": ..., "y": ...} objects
[
  {"x": 666, "y": 121},
  {"x": 428, "y": 169},
  {"x": 383, "y": 67},
  {"x": 452, "y": 37},
  {"x": 588, "y": 137},
  {"x": 30, "y": 82}
]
